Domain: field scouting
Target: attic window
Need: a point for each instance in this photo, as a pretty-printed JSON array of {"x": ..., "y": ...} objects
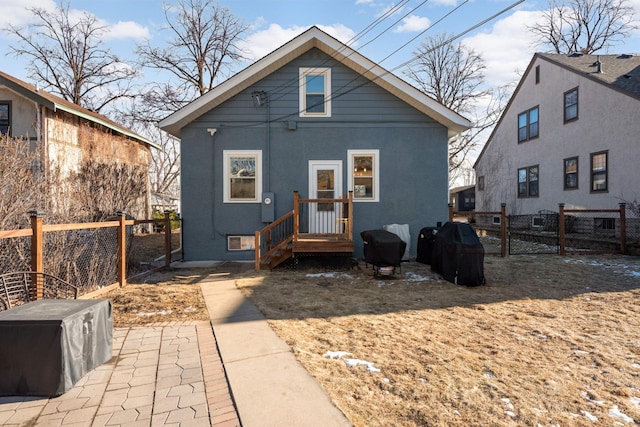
[{"x": 315, "y": 92}]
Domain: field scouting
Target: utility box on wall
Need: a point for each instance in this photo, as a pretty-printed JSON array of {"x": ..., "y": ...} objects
[{"x": 268, "y": 207}]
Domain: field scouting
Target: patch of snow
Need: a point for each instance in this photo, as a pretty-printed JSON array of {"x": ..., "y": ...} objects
[
  {"x": 615, "y": 413},
  {"x": 333, "y": 275},
  {"x": 357, "y": 362},
  {"x": 635, "y": 401},
  {"x": 619, "y": 268},
  {"x": 413, "y": 277},
  {"x": 507, "y": 402},
  {"x": 590, "y": 417},
  {"x": 382, "y": 283},
  {"x": 335, "y": 354},
  {"x": 190, "y": 309},
  {"x": 386, "y": 380},
  {"x": 636, "y": 365},
  {"x": 590, "y": 400},
  {"x": 510, "y": 414},
  {"x": 156, "y": 313}
]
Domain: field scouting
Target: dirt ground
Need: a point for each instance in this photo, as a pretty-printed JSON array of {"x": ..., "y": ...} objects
[{"x": 548, "y": 341}]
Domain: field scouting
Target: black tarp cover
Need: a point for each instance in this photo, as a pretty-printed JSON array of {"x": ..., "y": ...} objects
[
  {"x": 46, "y": 346},
  {"x": 382, "y": 248},
  {"x": 458, "y": 254}
]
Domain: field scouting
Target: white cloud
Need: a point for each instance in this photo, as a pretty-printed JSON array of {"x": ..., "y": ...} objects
[
  {"x": 263, "y": 42},
  {"x": 507, "y": 47},
  {"x": 127, "y": 30},
  {"x": 15, "y": 12},
  {"x": 413, "y": 23}
]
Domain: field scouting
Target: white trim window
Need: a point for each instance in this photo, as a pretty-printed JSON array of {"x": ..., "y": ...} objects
[
  {"x": 315, "y": 92},
  {"x": 242, "y": 174},
  {"x": 364, "y": 174}
]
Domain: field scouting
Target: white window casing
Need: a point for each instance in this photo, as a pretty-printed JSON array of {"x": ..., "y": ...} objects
[
  {"x": 242, "y": 176},
  {"x": 364, "y": 175},
  {"x": 315, "y": 92}
]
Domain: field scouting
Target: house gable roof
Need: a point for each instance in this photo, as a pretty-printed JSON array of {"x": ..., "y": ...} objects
[
  {"x": 620, "y": 73},
  {"x": 55, "y": 103},
  {"x": 315, "y": 38}
]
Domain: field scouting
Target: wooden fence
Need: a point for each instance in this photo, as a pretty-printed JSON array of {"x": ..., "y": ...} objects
[
  {"x": 38, "y": 231},
  {"x": 565, "y": 216}
]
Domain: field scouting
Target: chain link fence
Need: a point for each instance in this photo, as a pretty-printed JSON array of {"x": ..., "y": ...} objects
[
  {"x": 15, "y": 254},
  {"x": 88, "y": 257}
]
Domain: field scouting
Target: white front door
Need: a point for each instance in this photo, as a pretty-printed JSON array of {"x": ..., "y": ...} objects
[{"x": 325, "y": 182}]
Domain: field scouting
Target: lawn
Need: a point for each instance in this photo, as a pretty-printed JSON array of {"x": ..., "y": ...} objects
[{"x": 549, "y": 340}]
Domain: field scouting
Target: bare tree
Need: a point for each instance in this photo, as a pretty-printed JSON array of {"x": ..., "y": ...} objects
[
  {"x": 202, "y": 47},
  {"x": 66, "y": 55},
  {"x": 22, "y": 186},
  {"x": 454, "y": 76},
  {"x": 584, "y": 26}
]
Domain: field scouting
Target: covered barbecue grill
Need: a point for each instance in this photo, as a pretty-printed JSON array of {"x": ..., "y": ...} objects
[
  {"x": 458, "y": 254},
  {"x": 383, "y": 250}
]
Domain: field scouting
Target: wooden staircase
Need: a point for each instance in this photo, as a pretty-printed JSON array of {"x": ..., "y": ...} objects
[{"x": 289, "y": 235}]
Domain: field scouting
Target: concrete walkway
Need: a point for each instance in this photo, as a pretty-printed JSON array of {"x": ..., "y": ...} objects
[
  {"x": 269, "y": 385},
  {"x": 231, "y": 371}
]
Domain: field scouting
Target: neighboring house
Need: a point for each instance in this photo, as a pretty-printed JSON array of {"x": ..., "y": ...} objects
[
  {"x": 69, "y": 134},
  {"x": 463, "y": 199},
  {"x": 570, "y": 134},
  {"x": 164, "y": 202},
  {"x": 317, "y": 117}
]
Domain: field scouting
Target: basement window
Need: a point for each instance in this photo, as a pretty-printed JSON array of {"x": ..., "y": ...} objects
[{"x": 240, "y": 243}]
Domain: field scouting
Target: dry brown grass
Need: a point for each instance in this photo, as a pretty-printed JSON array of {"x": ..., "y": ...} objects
[{"x": 548, "y": 341}]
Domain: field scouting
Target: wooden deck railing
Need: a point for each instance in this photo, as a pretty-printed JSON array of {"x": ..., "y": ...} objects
[{"x": 320, "y": 220}]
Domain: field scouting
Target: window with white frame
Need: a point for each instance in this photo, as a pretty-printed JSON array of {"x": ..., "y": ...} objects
[
  {"x": 364, "y": 175},
  {"x": 315, "y": 92},
  {"x": 242, "y": 172},
  {"x": 240, "y": 243}
]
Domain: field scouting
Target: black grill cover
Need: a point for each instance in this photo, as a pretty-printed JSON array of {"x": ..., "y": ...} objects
[
  {"x": 426, "y": 241},
  {"x": 458, "y": 254},
  {"x": 46, "y": 346},
  {"x": 383, "y": 248}
]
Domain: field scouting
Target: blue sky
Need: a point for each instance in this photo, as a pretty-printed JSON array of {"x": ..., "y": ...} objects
[{"x": 504, "y": 42}]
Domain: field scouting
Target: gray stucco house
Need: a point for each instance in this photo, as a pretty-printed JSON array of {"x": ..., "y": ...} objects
[{"x": 316, "y": 117}]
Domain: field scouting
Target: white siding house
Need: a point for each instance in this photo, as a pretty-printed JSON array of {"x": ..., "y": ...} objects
[{"x": 570, "y": 134}]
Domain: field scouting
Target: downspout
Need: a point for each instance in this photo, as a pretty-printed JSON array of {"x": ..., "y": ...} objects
[
  {"x": 268, "y": 141},
  {"x": 212, "y": 132}
]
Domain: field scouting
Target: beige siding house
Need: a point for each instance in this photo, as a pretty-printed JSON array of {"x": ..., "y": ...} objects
[
  {"x": 570, "y": 134},
  {"x": 69, "y": 134}
]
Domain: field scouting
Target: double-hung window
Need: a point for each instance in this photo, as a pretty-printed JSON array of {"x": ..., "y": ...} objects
[
  {"x": 571, "y": 105},
  {"x": 599, "y": 171},
  {"x": 528, "y": 181},
  {"x": 364, "y": 175},
  {"x": 528, "y": 125},
  {"x": 571, "y": 173},
  {"x": 315, "y": 92},
  {"x": 242, "y": 171},
  {"x": 5, "y": 117}
]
